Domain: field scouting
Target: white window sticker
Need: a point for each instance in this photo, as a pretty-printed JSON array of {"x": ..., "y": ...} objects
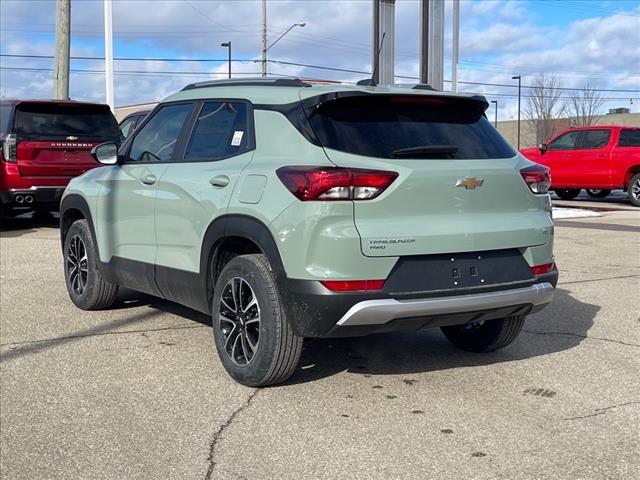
[{"x": 237, "y": 138}]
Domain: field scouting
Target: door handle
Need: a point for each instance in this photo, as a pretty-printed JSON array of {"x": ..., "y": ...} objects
[
  {"x": 219, "y": 181},
  {"x": 148, "y": 179}
]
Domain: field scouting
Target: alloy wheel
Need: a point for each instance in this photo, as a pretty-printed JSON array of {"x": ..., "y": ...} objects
[
  {"x": 77, "y": 265},
  {"x": 239, "y": 321},
  {"x": 635, "y": 189}
]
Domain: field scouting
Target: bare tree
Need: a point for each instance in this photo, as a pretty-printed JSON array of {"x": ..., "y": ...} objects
[
  {"x": 584, "y": 106},
  {"x": 545, "y": 106}
]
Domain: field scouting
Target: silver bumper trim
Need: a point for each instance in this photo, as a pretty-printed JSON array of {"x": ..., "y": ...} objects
[{"x": 378, "y": 312}]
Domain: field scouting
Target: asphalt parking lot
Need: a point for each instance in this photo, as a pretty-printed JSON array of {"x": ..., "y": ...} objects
[{"x": 138, "y": 392}]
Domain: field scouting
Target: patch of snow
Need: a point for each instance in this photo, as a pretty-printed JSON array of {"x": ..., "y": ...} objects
[{"x": 573, "y": 213}]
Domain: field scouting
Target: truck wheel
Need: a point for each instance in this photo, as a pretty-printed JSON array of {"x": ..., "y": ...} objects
[
  {"x": 255, "y": 342},
  {"x": 567, "y": 193},
  {"x": 598, "y": 193},
  {"x": 634, "y": 190},
  {"x": 485, "y": 336},
  {"x": 85, "y": 284}
]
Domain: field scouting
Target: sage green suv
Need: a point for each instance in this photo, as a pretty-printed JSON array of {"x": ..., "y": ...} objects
[{"x": 289, "y": 210}]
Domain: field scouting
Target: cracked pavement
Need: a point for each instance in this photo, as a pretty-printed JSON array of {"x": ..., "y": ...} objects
[{"x": 137, "y": 392}]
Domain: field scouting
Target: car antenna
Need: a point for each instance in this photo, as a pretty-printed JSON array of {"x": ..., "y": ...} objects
[{"x": 371, "y": 81}]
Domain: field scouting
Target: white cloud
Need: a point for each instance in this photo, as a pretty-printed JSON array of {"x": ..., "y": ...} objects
[{"x": 498, "y": 39}]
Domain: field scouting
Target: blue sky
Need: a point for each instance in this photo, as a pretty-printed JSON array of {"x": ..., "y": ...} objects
[{"x": 582, "y": 42}]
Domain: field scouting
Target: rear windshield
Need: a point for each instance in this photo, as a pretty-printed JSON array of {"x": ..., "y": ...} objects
[
  {"x": 58, "y": 122},
  {"x": 408, "y": 126}
]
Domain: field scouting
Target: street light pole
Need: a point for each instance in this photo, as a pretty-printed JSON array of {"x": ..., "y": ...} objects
[
  {"x": 299, "y": 24},
  {"x": 519, "y": 78},
  {"x": 495, "y": 122},
  {"x": 228, "y": 45}
]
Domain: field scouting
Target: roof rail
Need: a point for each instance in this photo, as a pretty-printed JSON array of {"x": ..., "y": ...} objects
[{"x": 250, "y": 82}]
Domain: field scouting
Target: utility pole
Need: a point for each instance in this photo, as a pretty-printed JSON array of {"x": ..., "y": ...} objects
[
  {"x": 228, "y": 45},
  {"x": 387, "y": 49},
  {"x": 519, "y": 78},
  {"x": 63, "y": 41},
  {"x": 432, "y": 43},
  {"x": 375, "y": 51},
  {"x": 108, "y": 53},
  {"x": 455, "y": 42},
  {"x": 264, "y": 38}
]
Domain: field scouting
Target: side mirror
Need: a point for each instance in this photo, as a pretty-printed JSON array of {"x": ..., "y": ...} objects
[
  {"x": 105, "y": 153},
  {"x": 543, "y": 148}
]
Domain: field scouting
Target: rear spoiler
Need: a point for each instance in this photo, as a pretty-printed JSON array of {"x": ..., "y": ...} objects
[{"x": 312, "y": 104}]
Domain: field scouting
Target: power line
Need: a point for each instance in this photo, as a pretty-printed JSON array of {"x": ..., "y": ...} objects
[{"x": 280, "y": 62}]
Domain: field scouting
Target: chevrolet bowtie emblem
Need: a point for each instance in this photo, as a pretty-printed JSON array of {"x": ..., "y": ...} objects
[
  {"x": 469, "y": 183},
  {"x": 71, "y": 137}
]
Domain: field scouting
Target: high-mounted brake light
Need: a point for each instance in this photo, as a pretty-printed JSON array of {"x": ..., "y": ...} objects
[
  {"x": 335, "y": 183},
  {"x": 9, "y": 146},
  {"x": 537, "y": 178},
  {"x": 353, "y": 285},
  {"x": 540, "y": 269}
]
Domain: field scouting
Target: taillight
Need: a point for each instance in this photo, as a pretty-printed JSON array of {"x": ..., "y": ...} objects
[
  {"x": 9, "y": 146},
  {"x": 540, "y": 269},
  {"x": 335, "y": 183},
  {"x": 353, "y": 285},
  {"x": 537, "y": 178}
]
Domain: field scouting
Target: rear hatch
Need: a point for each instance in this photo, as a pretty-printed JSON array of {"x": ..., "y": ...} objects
[
  {"x": 55, "y": 139},
  {"x": 459, "y": 187}
]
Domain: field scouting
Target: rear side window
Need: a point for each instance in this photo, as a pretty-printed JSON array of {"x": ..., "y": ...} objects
[
  {"x": 58, "y": 122},
  {"x": 408, "y": 126},
  {"x": 595, "y": 139},
  {"x": 629, "y": 138},
  {"x": 221, "y": 131},
  {"x": 156, "y": 140},
  {"x": 5, "y": 117}
]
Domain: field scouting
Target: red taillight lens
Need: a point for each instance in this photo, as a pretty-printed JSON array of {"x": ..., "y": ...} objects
[
  {"x": 353, "y": 285},
  {"x": 540, "y": 269},
  {"x": 335, "y": 183},
  {"x": 537, "y": 178}
]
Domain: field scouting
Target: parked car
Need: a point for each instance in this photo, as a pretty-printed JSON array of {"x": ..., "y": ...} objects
[
  {"x": 598, "y": 159},
  {"x": 45, "y": 143},
  {"x": 131, "y": 121},
  {"x": 287, "y": 210}
]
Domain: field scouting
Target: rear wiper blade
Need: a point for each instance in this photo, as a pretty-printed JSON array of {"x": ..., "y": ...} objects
[{"x": 427, "y": 151}]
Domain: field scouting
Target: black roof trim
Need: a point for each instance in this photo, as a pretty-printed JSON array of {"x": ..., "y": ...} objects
[
  {"x": 423, "y": 86},
  {"x": 249, "y": 82}
]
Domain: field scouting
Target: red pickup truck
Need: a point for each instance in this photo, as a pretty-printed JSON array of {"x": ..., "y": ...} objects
[{"x": 598, "y": 159}]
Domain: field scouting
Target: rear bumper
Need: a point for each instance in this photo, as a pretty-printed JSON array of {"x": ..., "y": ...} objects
[
  {"x": 314, "y": 311},
  {"x": 30, "y": 197},
  {"x": 378, "y": 312}
]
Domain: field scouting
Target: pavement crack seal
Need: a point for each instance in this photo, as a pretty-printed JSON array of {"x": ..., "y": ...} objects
[
  {"x": 219, "y": 433},
  {"x": 603, "y": 410},
  {"x": 588, "y": 337}
]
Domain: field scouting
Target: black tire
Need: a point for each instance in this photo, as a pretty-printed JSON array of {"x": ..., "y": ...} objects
[
  {"x": 486, "y": 337},
  {"x": 595, "y": 193},
  {"x": 634, "y": 190},
  {"x": 87, "y": 289},
  {"x": 277, "y": 348},
  {"x": 567, "y": 193}
]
